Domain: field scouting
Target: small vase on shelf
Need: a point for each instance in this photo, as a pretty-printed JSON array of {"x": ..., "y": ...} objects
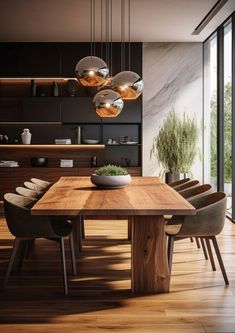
[
  {"x": 26, "y": 137},
  {"x": 33, "y": 88},
  {"x": 54, "y": 89}
]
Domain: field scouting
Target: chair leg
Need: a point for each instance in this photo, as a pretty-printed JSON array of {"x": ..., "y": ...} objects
[
  {"x": 11, "y": 261},
  {"x": 63, "y": 265},
  {"x": 29, "y": 248},
  {"x": 217, "y": 251},
  {"x": 129, "y": 228},
  {"x": 72, "y": 251},
  {"x": 82, "y": 228},
  {"x": 204, "y": 248},
  {"x": 170, "y": 247},
  {"x": 191, "y": 239},
  {"x": 197, "y": 242},
  {"x": 210, "y": 254}
]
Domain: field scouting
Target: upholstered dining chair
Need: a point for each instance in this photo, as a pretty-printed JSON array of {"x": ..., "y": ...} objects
[
  {"x": 179, "y": 182},
  {"x": 188, "y": 184},
  {"x": 44, "y": 184},
  {"x": 26, "y": 227},
  {"x": 197, "y": 191},
  {"x": 207, "y": 223}
]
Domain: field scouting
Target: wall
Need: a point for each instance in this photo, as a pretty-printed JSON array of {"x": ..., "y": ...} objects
[{"x": 172, "y": 74}]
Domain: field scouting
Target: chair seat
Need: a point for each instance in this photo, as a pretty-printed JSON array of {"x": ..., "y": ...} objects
[{"x": 173, "y": 229}]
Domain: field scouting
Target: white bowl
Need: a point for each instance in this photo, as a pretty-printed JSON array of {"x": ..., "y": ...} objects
[
  {"x": 90, "y": 141},
  {"x": 110, "y": 181}
]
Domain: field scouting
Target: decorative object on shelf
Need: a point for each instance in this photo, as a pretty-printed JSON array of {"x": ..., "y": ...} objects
[
  {"x": 63, "y": 141},
  {"x": 108, "y": 103},
  {"x": 128, "y": 84},
  {"x": 90, "y": 141},
  {"x": 33, "y": 88},
  {"x": 39, "y": 161},
  {"x": 4, "y": 139},
  {"x": 111, "y": 176},
  {"x": 41, "y": 92},
  {"x": 72, "y": 87},
  {"x": 91, "y": 70},
  {"x": 26, "y": 137},
  {"x": 9, "y": 164},
  {"x": 127, "y": 161},
  {"x": 54, "y": 89},
  {"x": 79, "y": 135},
  {"x": 175, "y": 146},
  {"x": 94, "y": 161},
  {"x": 124, "y": 139},
  {"x": 66, "y": 163}
]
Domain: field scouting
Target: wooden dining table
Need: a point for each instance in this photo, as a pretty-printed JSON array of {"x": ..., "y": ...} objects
[{"x": 145, "y": 202}]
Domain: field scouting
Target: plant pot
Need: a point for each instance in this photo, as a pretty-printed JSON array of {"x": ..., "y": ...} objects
[
  {"x": 171, "y": 177},
  {"x": 110, "y": 181}
]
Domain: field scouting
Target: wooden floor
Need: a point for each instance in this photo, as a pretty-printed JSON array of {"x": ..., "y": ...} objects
[{"x": 100, "y": 298}]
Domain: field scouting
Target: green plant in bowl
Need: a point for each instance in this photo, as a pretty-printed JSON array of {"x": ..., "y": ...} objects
[
  {"x": 111, "y": 170},
  {"x": 111, "y": 176}
]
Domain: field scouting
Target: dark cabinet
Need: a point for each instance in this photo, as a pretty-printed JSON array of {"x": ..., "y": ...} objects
[
  {"x": 40, "y": 60},
  {"x": 41, "y": 109},
  {"x": 9, "y": 60},
  {"x": 10, "y": 109},
  {"x": 78, "y": 110},
  {"x": 71, "y": 53},
  {"x": 131, "y": 113}
]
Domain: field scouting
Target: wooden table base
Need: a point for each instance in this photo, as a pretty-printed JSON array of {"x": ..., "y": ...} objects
[{"x": 150, "y": 273}]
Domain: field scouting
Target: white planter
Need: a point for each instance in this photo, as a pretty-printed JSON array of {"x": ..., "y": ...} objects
[
  {"x": 26, "y": 137},
  {"x": 110, "y": 181}
]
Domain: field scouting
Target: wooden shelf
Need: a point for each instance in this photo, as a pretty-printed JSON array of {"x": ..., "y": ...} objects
[{"x": 51, "y": 147}]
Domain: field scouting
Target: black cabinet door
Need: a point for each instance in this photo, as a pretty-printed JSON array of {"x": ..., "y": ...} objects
[
  {"x": 131, "y": 113},
  {"x": 9, "y": 60},
  {"x": 40, "y": 59},
  {"x": 78, "y": 110},
  {"x": 71, "y": 53},
  {"x": 10, "y": 109},
  {"x": 41, "y": 109}
]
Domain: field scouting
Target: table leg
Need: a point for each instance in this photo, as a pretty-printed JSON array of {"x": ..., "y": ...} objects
[{"x": 150, "y": 273}]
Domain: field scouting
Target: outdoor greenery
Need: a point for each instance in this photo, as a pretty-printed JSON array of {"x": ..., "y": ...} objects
[
  {"x": 227, "y": 134},
  {"x": 111, "y": 170},
  {"x": 175, "y": 146}
]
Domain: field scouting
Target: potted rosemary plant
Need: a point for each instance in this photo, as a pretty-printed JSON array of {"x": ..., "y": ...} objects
[
  {"x": 175, "y": 146},
  {"x": 111, "y": 176}
]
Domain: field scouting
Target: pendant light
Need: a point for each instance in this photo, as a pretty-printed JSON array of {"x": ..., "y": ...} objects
[
  {"x": 107, "y": 102},
  {"x": 92, "y": 71},
  {"x": 128, "y": 84}
]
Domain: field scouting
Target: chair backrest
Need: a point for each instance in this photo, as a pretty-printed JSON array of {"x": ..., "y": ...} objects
[
  {"x": 179, "y": 182},
  {"x": 33, "y": 186},
  {"x": 21, "y": 223},
  {"x": 210, "y": 216},
  {"x": 196, "y": 191},
  {"x": 186, "y": 185},
  {"x": 28, "y": 193},
  {"x": 42, "y": 183}
]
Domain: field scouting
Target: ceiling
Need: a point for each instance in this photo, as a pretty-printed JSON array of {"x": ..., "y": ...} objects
[{"x": 69, "y": 20}]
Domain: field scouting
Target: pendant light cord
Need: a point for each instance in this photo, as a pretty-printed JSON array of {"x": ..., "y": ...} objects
[
  {"x": 129, "y": 37},
  {"x": 91, "y": 13}
]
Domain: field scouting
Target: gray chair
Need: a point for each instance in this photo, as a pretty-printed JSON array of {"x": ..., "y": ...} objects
[
  {"x": 28, "y": 193},
  {"x": 179, "y": 182},
  {"x": 34, "y": 187},
  {"x": 188, "y": 184},
  {"x": 207, "y": 223},
  {"x": 44, "y": 184},
  {"x": 26, "y": 227}
]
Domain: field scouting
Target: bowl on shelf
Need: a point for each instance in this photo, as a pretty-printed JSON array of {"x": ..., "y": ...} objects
[
  {"x": 90, "y": 141},
  {"x": 39, "y": 161}
]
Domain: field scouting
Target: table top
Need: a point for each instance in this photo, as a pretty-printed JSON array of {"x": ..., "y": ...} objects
[{"x": 144, "y": 196}]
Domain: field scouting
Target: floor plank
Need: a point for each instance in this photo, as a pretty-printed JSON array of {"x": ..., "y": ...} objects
[{"x": 100, "y": 299}]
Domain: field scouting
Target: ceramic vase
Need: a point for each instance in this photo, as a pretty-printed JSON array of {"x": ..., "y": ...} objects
[{"x": 26, "y": 137}]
